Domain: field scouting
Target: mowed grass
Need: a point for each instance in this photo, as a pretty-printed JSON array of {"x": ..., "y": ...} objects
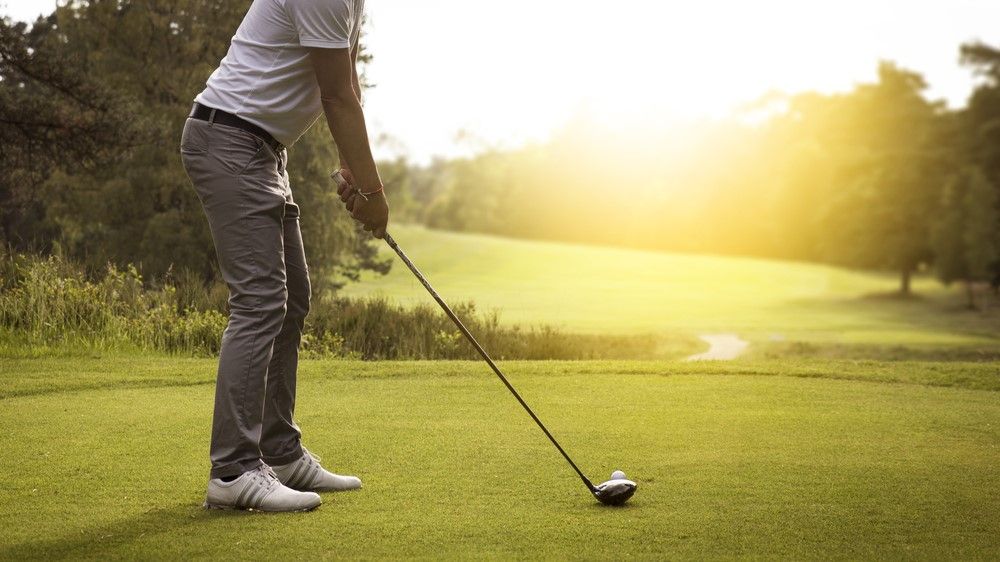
[
  {"x": 105, "y": 458},
  {"x": 606, "y": 290}
]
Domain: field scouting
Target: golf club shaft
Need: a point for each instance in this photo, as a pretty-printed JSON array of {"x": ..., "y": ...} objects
[{"x": 468, "y": 335}]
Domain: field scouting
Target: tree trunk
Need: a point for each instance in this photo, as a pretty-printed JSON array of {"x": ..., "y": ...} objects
[
  {"x": 904, "y": 282},
  {"x": 970, "y": 292}
]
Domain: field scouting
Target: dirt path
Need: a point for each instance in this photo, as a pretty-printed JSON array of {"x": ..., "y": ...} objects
[{"x": 721, "y": 347}]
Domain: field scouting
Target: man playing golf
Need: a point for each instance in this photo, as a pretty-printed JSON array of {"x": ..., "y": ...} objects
[{"x": 289, "y": 62}]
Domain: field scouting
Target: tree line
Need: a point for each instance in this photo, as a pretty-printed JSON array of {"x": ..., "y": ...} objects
[
  {"x": 879, "y": 177},
  {"x": 93, "y": 99}
]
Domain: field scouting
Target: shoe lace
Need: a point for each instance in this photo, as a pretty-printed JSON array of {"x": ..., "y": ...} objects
[
  {"x": 313, "y": 456},
  {"x": 265, "y": 475}
]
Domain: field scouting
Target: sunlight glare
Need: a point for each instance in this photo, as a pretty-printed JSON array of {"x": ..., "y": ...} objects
[{"x": 514, "y": 72}]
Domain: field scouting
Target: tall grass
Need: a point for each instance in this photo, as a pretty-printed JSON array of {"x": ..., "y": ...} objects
[
  {"x": 49, "y": 303},
  {"x": 374, "y": 328}
]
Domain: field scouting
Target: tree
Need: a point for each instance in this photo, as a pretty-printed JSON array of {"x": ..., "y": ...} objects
[
  {"x": 139, "y": 207},
  {"x": 53, "y": 114},
  {"x": 980, "y": 120},
  {"x": 880, "y": 221},
  {"x": 966, "y": 235},
  {"x": 891, "y": 165}
]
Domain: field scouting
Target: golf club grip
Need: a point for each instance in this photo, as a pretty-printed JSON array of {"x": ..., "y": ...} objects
[{"x": 468, "y": 335}]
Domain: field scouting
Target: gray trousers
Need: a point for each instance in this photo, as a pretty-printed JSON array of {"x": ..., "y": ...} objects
[{"x": 243, "y": 186}]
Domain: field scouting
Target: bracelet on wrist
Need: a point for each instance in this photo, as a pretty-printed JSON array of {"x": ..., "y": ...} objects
[{"x": 364, "y": 195}]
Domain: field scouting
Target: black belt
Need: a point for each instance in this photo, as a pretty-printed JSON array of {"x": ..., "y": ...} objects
[{"x": 205, "y": 113}]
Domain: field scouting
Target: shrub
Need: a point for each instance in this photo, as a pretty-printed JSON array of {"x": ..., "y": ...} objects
[{"x": 47, "y": 301}]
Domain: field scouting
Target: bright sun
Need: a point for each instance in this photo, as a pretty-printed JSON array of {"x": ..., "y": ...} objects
[
  {"x": 508, "y": 72},
  {"x": 511, "y": 71}
]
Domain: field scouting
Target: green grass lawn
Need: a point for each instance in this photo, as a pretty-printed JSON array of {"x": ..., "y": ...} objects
[
  {"x": 605, "y": 290},
  {"x": 105, "y": 458}
]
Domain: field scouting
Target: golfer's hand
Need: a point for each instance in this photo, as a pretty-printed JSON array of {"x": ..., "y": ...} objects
[
  {"x": 345, "y": 172},
  {"x": 373, "y": 213}
]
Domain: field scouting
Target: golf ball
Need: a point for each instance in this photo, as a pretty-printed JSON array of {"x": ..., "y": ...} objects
[{"x": 617, "y": 475}]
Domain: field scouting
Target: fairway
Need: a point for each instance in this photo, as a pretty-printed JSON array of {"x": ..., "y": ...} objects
[
  {"x": 761, "y": 283},
  {"x": 108, "y": 459},
  {"x": 605, "y": 290}
]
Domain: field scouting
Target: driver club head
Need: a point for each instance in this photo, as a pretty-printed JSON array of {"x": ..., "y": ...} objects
[{"x": 614, "y": 492}]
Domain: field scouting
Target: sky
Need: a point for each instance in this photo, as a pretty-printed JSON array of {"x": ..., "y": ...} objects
[{"x": 453, "y": 76}]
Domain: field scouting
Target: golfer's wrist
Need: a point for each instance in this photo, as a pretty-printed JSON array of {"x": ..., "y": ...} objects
[{"x": 366, "y": 191}]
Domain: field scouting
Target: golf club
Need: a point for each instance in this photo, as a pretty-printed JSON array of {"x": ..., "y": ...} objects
[{"x": 613, "y": 492}]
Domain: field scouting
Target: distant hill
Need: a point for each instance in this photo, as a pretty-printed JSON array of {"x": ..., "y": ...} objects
[{"x": 605, "y": 290}]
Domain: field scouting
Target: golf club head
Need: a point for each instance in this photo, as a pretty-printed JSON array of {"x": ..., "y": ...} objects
[{"x": 614, "y": 492}]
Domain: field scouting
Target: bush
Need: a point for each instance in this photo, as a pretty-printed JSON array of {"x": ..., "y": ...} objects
[
  {"x": 377, "y": 329},
  {"x": 47, "y": 301}
]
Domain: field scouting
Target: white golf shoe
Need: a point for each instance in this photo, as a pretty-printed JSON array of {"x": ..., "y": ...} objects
[
  {"x": 258, "y": 489},
  {"x": 307, "y": 474}
]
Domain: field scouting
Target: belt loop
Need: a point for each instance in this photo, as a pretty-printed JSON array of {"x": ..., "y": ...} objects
[{"x": 211, "y": 117}]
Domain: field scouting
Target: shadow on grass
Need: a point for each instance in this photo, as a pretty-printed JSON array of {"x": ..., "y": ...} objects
[
  {"x": 631, "y": 505},
  {"x": 877, "y": 352},
  {"x": 940, "y": 316},
  {"x": 120, "y": 384},
  {"x": 892, "y": 296},
  {"x": 113, "y": 540}
]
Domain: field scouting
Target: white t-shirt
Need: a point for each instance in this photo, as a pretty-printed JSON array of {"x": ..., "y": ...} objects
[{"x": 266, "y": 77}]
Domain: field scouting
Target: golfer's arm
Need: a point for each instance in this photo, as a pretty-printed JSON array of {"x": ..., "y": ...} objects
[
  {"x": 336, "y": 75},
  {"x": 355, "y": 81},
  {"x": 357, "y": 91}
]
